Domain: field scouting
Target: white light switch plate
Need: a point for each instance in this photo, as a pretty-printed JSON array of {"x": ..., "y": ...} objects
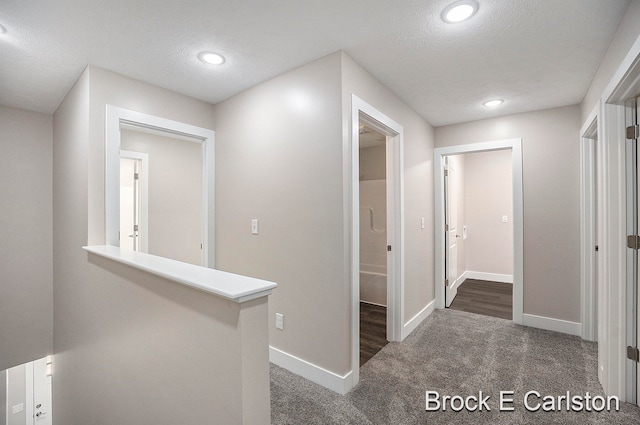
[{"x": 254, "y": 227}]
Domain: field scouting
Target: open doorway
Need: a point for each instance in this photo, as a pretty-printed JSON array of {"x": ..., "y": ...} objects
[
  {"x": 373, "y": 241},
  {"x": 363, "y": 114},
  {"x": 479, "y": 233},
  {"x": 514, "y": 147}
]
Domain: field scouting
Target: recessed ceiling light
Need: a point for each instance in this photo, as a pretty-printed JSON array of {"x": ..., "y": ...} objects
[
  {"x": 459, "y": 11},
  {"x": 493, "y": 103},
  {"x": 211, "y": 58}
]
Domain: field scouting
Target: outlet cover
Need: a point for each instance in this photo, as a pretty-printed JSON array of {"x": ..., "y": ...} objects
[{"x": 280, "y": 321}]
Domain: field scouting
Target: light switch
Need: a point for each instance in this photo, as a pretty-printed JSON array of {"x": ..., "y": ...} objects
[
  {"x": 422, "y": 222},
  {"x": 254, "y": 227}
]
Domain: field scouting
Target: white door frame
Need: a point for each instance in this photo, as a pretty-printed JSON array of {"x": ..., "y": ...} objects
[
  {"x": 588, "y": 225},
  {"x": 612, "y": 287},
  {"x": 361, "y": 110},
  {"x": 515, "y": 145},
  {"x": 119, "y": 118}
]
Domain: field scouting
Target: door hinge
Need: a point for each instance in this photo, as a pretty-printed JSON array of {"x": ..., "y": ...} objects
[
  {"x": 446, "y": 227},
  {"x": 446, "y": 173},
  {"x": 446, "y": 282},
  {"x": 389, "y": 248},
  {"x": 633, "y": 242},
  {"x": 597, "y": 248},
  {"x": 136, "y": 176},
  {"x": 633, "y": 354},
  {"x": 135, "y": 227},
  {"x": 633, "y": 131}
]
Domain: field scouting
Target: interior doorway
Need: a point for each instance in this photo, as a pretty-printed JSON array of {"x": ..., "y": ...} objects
[
  {"x": 479, "y": 232},
  {"x": 363, "y": 114},
  {"x": 514, "y": 146},
  {"x": 589, "y": 249},
  {"x": 373, "y": 241}
]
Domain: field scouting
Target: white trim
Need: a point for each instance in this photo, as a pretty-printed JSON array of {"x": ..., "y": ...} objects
[
  {"x": 461, "y": 278},
  {"x": 515, "y": 145},
  {"x": 310, "y": 371},
  {"x": 492, "y": 277},
  {"x": 117, "y": 118},
  {"x": 550, "y": 324},
  {"x": 28, "y": 399},
  {"x": 415, "y": 321},
  {"x": 226, "y": 285},
  {"x": 395, "y": 224},
  {"x": 588, "y": 225}
]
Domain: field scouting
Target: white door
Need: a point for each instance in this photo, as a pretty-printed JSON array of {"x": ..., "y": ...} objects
[
  {"x": 632, "y": 120},
  {"x": 129, "y": 204},
  {"x": 41, "y": 393},
  {"x": 633, "y": 275},
  {"x": 451, "y": 233}
]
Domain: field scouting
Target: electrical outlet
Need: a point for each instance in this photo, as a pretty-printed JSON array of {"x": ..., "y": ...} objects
[
  {"x": 280, "y": 321},
  {"x": 505, "y": 219}
]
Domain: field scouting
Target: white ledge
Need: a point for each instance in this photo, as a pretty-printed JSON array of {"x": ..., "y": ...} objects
[{"x": 223, "y": 284}]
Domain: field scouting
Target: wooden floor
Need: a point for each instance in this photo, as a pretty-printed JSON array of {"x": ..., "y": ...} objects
[
  {"x": 484, "y": 297},
  {"x": 373, "y": 330}
]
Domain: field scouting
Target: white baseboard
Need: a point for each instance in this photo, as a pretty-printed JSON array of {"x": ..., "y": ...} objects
[
  {"x": 310, "y": 371},
  {"x": 460, "y": 279},
  {"x": 557, "y": 325},
  {"x": 493, "y": 277},
  {"x": 413, "y": 323}
]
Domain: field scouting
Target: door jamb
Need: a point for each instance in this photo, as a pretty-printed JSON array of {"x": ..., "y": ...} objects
[
  {"x": 515, "y": 145},
  {"x": 588, "y": 225},
  {"x": 395, "y": 261}
]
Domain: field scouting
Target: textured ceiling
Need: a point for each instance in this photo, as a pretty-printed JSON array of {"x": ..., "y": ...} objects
[{"x": 535, "y": 54}]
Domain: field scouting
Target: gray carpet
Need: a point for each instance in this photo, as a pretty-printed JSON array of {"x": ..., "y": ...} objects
[{"x": 455, "y": 353}]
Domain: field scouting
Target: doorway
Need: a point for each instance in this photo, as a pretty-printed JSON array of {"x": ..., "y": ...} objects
[
  {"x": 514, "y": 146},
  {"x": 373, "y": 241},
  {"x": 479, "y": 233},
  {"x": 364, "y": 114},
  {"x": 589, "y": 198}
]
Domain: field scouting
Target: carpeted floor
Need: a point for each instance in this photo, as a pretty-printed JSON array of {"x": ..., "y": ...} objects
[{"x": 454, "y": 353}]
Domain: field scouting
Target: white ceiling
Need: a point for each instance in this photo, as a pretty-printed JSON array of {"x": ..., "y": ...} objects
[{"x": 535, "y": 54}]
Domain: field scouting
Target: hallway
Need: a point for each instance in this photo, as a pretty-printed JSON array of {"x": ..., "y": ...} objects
[{"x": 455, "y": 353}]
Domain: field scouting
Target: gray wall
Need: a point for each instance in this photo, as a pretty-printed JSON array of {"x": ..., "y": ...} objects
[
  {"x": 418, "y": 180},
  {"x": 551, "y": 174},
  {"x": 373, "y": 163},
  {"x": 279, "y": 160},
  {"x": 131, "y": 347},
  {"x": 26, "y": 283},
  {"x": 489, "y": 196},
  {"x": 627, "y": 33}
]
